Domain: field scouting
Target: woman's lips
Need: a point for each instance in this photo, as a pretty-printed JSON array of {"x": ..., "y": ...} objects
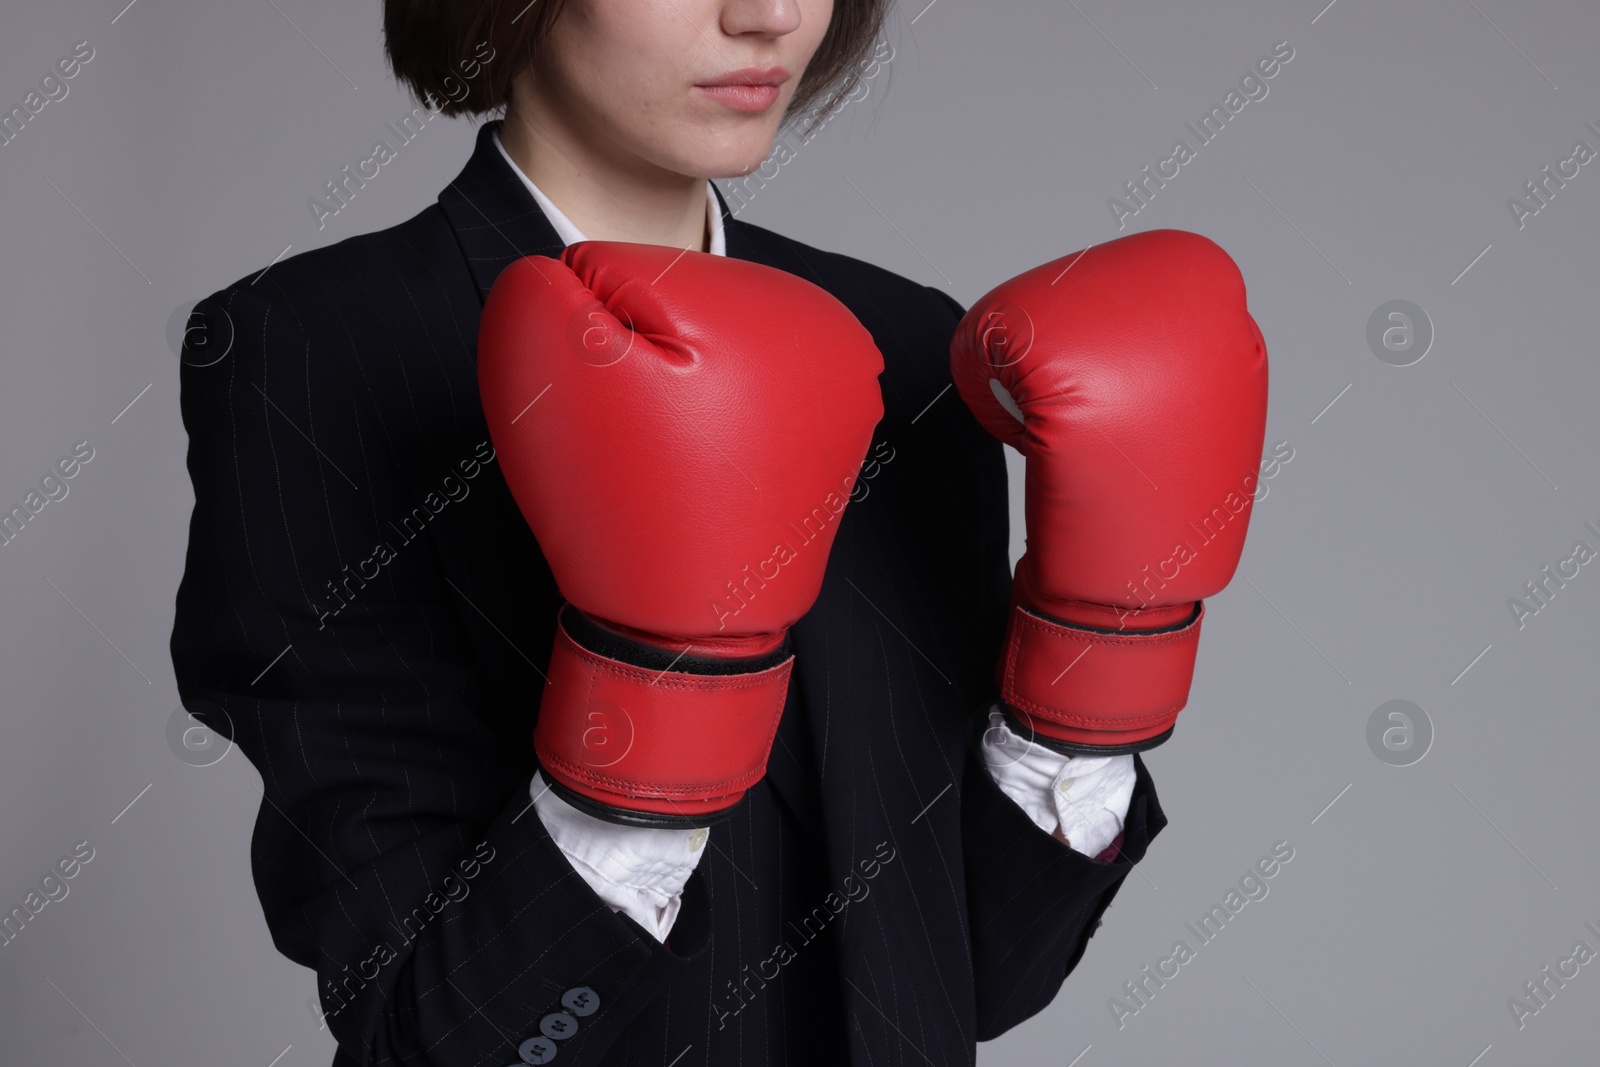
[
  {"x": 750, "y": 89},
  {"x": 742, "y": 97}
]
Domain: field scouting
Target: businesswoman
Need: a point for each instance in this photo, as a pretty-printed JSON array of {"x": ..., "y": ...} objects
[{"x": 367, "y": 614}]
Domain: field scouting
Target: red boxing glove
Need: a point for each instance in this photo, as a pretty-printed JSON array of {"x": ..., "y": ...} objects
[
  {"x": 1134, "y": 380},
  {"x": 682, "y": 432}
]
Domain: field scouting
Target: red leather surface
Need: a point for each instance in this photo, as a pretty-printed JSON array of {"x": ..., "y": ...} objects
[
  {"x": 682, "y": 432},
  {"x": 1095, "y": 688},
  {"x": 724, "y": 430},
  {"x": 652, "y": 741},
  {"x": 1142, "y": 384}
]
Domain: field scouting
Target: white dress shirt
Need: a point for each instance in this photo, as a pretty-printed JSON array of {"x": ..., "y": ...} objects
[{"x": 641, "y": 871}]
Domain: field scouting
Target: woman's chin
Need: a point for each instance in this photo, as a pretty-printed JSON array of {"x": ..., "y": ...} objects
[
  {"x": 736, "y": 164},
  {"x": 721, "y": 153}
]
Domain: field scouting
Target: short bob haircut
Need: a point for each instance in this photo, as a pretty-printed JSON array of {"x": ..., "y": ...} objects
[{"x": 460, "y": 56}]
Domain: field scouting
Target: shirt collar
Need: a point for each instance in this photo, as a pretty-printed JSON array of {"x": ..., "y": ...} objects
[{"x": 570, "y": 234}]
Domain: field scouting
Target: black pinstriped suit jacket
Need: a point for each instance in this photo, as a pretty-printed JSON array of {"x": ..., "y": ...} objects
[{"x": 876, "y": 900}]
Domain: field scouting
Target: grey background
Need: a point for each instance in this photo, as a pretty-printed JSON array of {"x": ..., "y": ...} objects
[{"x": 1379, "y": 564}]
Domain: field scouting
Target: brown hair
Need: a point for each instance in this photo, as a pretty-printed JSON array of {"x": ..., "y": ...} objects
[{"x": 460, "y": 56}]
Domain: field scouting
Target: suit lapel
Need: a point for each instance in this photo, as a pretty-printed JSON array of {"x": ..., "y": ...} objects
[{"x": 495, "y": 218}]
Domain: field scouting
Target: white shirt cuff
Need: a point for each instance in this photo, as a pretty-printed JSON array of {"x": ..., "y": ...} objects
[
  {"x": 1086, "y": 796},
  {"x": 637, "y": 870}
]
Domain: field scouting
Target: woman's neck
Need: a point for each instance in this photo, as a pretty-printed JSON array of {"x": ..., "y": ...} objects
[{"x": 606, "y": 198}]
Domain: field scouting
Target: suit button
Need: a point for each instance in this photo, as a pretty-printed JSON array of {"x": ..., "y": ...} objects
[
  {"x": 559, "y": 1025},
  {"x": 537, "y": 1050},
  {"x": 581, "y": 1001}
]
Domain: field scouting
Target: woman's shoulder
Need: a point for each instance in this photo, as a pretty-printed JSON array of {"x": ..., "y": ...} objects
[
  {"x": 370, "y": 283},
  {"x": 385, "y": 321}
]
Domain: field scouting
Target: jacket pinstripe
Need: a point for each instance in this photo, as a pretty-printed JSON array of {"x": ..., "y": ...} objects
[{"x": 366, "y": 614}]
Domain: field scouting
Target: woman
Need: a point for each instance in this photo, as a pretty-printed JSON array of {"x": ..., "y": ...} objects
[{"x": 367, "y": 614}]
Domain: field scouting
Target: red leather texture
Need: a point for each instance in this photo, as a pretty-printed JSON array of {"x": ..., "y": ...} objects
[
  {"x": 702, "y": 741},
  {"x": 1089, "y": 687},
  {"x": 682, "y": 432},
  {"x": 1140, "y": 379}
]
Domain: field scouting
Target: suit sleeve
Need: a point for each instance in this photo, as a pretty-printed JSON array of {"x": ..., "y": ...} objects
[
  {"x": 1032, "y": 903},
  {"x": 395, "y": 851}
]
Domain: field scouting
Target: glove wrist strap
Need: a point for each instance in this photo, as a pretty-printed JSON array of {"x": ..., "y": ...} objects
[
  {"x": 636, "y": 734},
  {"x": 1085, "y": 689}
]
